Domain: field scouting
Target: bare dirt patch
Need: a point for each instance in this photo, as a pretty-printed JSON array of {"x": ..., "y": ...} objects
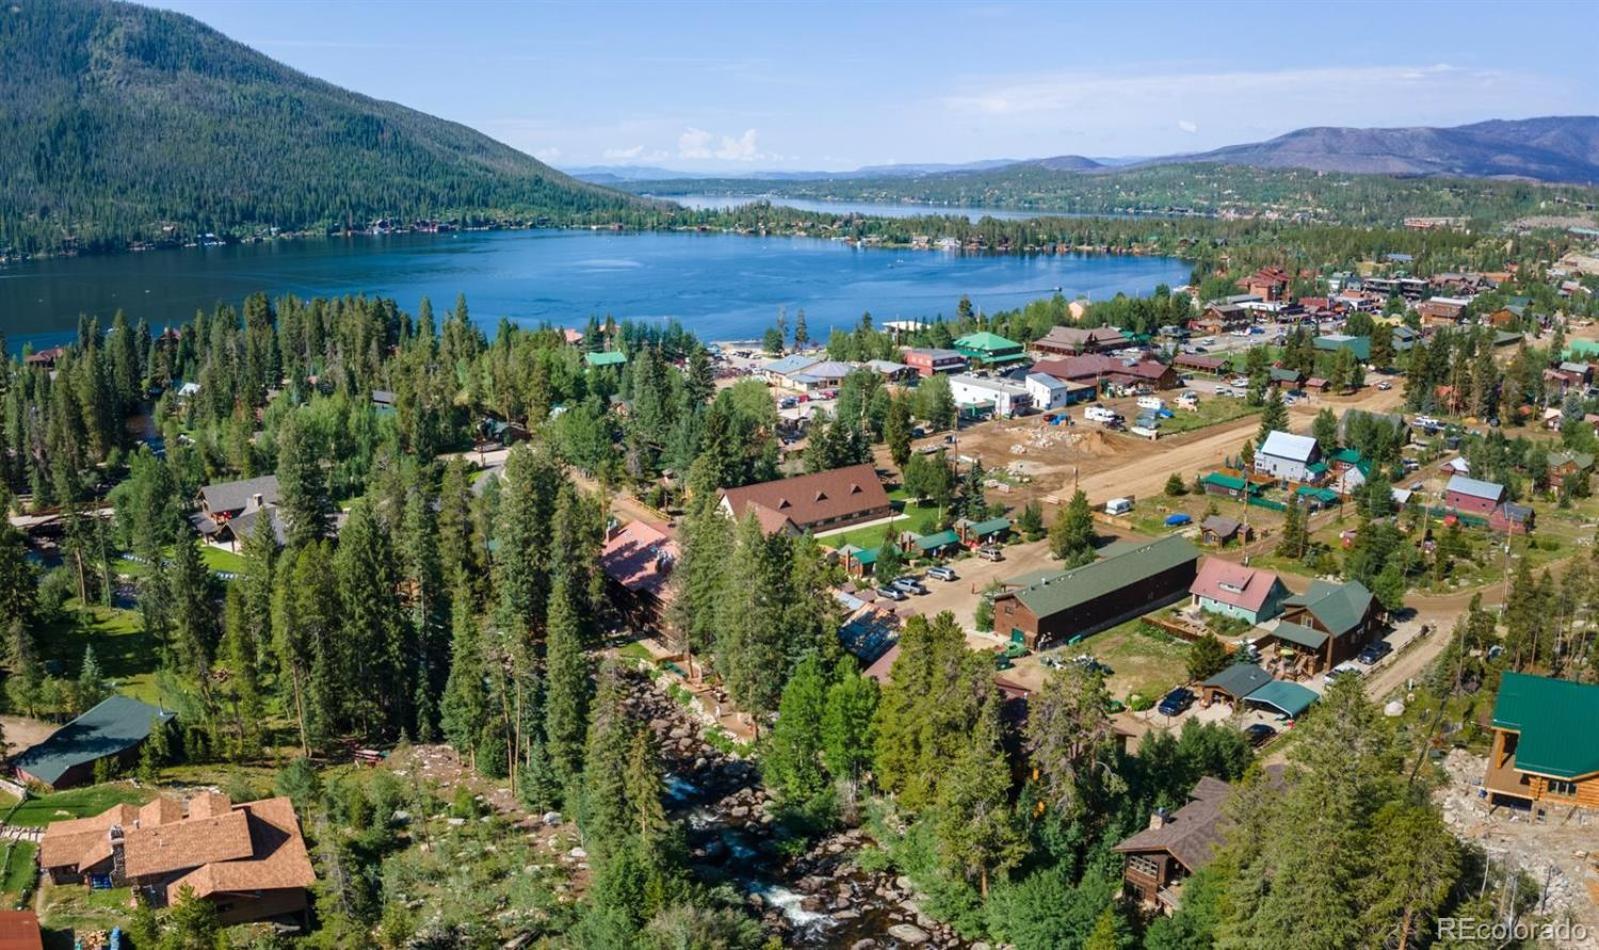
[{"x": 22, "y": 732}]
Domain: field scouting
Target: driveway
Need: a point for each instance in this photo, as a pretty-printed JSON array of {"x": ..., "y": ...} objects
[{"x": 960, "y": 596}]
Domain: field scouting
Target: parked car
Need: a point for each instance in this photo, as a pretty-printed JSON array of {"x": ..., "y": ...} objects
[
  {"x": 1238, "y": 381},
  {"x": 918, "y": 433},
  {"x": 1118, "y": 506},
  {"x": 1375, "y": 651},
  {"x": 891, "y": 593},
  {"x": 1346, "y": 668},
  {"x": 942, "y": 573},
  {"x": 990, "y": 553},
  {"x": 909, "y": 585},
  {"x": 1092, "y": 665},
  {"x": 1385, "y": 385},
  {"x": 1259, "y": 734},
  {"x": 1174, "y": 702}
]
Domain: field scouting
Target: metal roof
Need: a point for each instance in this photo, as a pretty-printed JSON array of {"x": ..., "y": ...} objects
[
  {"x": 1286, "y": 445},
  {"x": 1556, "y": 719},
  {"x": 117, "y": 724},
  {"x": 1078, "y": 586},
  {"x": 991, "y": 526},
  {"x": 1239, "y": 680},
  {"x": 1339, "y": 607},
  {"x": 1300, "y": 634},
  {"x": 932, "y": 542},
  {"x": 1475, "y": 488},
  {"x": 1290, "y": 699}
]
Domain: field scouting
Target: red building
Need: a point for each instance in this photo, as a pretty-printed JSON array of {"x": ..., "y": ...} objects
[
  {"x": 928, "y": 362},
  {"x": 1473, "y": 496}
]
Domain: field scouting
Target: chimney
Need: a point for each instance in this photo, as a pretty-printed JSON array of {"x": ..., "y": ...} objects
[
  {"x": 119, "y": 864},
  {"x": 256, "y": 501},
  {"x": 1158, "y": 818}
]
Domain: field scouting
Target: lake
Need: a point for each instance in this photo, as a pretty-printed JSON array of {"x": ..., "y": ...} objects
[{"x": 719, "y": 286}]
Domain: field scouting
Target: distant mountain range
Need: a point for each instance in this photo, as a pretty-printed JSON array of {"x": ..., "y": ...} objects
[
  {"x": 1551, "y": 149},
  {"x": 124, "y": 123}
]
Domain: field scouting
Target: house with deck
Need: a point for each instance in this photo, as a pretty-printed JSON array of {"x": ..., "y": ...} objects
[
  {"x": 224, "y": 501},
  {"x": 1545, "y": 749},
  {"x": 1327, "y": 624},
  {"x": 1157, "y": 860},
  {"x": 637, "y": 560}
]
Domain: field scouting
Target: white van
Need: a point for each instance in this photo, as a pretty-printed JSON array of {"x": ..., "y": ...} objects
[
  {"x": 1100, "y": 414},
  {"x": 1118, "y": 506},
  {"x": 1151, "y": 402}
]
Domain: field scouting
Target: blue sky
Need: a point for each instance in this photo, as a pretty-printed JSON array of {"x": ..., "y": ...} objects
[{"x": 755, "y": 85}]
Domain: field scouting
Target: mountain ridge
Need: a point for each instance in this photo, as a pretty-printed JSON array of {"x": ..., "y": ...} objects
[{"x": 137, "y": 124}]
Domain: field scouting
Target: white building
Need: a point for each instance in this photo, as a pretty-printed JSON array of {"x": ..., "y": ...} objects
[
  {"x": 1046, "y": 391},
  {"x": 976, "y": 392},
  {"x": 1287, "y": 456}
]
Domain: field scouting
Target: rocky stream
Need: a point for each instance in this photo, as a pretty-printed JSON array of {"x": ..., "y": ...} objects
[{"x": 818, "y": 899}]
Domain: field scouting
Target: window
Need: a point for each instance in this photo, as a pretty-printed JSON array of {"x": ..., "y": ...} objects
[
  {"x": 1146, "y": 866},
  {"x": 1562, "y": 788}
]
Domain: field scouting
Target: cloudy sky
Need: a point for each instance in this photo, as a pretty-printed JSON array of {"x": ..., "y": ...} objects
[{"x": 755, "y": 85}]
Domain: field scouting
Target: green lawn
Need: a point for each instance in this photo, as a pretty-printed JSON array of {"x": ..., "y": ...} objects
[
  {"x": 74, "y": 907},
  {"x": 126, "y": 653},
  {"x": 76, "y": 803},
  {"x": 1145, "y": 662},
  {"x": 18, "y": 875},
  {"x": 221, "y": 559},
  {"x": 1213, "y": 410},
  {"x": 918, "y": 518}
]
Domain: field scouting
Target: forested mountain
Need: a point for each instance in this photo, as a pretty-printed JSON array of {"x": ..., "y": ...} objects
[
  {"x": 123, "y": 123},
  {"x": 1552, "y": 148}
]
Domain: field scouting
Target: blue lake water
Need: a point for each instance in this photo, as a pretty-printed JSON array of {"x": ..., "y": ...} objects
[{"x": 719, "y": 286}]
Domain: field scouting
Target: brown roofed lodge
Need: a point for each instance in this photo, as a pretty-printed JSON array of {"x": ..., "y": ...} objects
[{"x": 817, "y": 502}]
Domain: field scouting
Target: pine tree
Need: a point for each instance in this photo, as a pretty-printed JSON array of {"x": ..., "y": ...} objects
[
  {"x": 302, "y": 483},
  {"x": 91, "y": 686},
  {"x": 568, "y": 687},
  {"x": 429, "y": 605},
  {"x": 1294, "y": 540},
  {"x": 464, "y": 707},
  {"x": 847, "y": 728},
  {"x": 1274, "y": 417},
  {"x": 794, "y": 752},
  {"x": 375, "y": 642},
  {"x": 1325, "y": 431},
  {"x": 1071, "y": 537},
  {"x": 897, "y": 431},
  {"x": 977, "y": 833},
  {"x": 1070, "y": 739}
]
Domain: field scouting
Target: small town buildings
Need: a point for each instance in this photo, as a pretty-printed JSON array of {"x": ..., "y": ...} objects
[
  {"x": 607, "y": 358},
  {"x": 1569, "y": 469},
  {"x": 1046, "y": 392},
  {"x": 1284, "y": 378},
  {"x": 1472, "y": 496},
  {"x": 779, "y": 370},
  {"x": 1233, "y": 590},
  {"x": 981, "y": 395},
  {"x": 1545, "y": 749},
  {"x": 1268, "y": 283},
  {"x": 930, "y": 362},
  {"x": 113, "y": 730},
  {"x": 1221, "y": 530},
  {"x": 1233, "y": 684},
  {"x": 249, "y": 860},
  {"x": 1442, "y": 311},
  {"x": 1098, "y": 369},
  {"x": 637, "y": 560},
  {"x": 890, "y": 370},
  {"x": 45, "y": 358},
  {"x": 816, "y": 502},
  {"x": 823, "y": 374},
  {"x": 1360, "y": 346},
  {"x": 977, "y": 533},
  {"x": 1511, "y": 518},
  {"x": 1075, "y": 341},
  {"x": 1328, "y": 624},
  {"x": 1287, "y": 457},
  {"x": 1177, "y": 844},
  {"x": 989, "y": 349},
  {"x": 19, "y": 930},
  {"x": 1085, "y": 600},
  {"x": 1221, "y": 318},
  {"x": 1200, "y": 363}
]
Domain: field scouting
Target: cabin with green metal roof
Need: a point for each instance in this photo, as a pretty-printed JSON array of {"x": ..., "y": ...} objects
[
  {"x": 1546, "y": 743},
  {"x": 1065, "y": 605},
  {"x": 989, "y": 348},
  {"x": 1327, "y": 624},
  {"x": 608, "y": 358},
  {"x": 112, "y": 730}
]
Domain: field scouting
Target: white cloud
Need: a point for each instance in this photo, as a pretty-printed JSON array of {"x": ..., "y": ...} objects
[
  {"x": 547, "y": 154},
  {"x": 697, "y": 143},
  {"x": 1188, "y": 126}
]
